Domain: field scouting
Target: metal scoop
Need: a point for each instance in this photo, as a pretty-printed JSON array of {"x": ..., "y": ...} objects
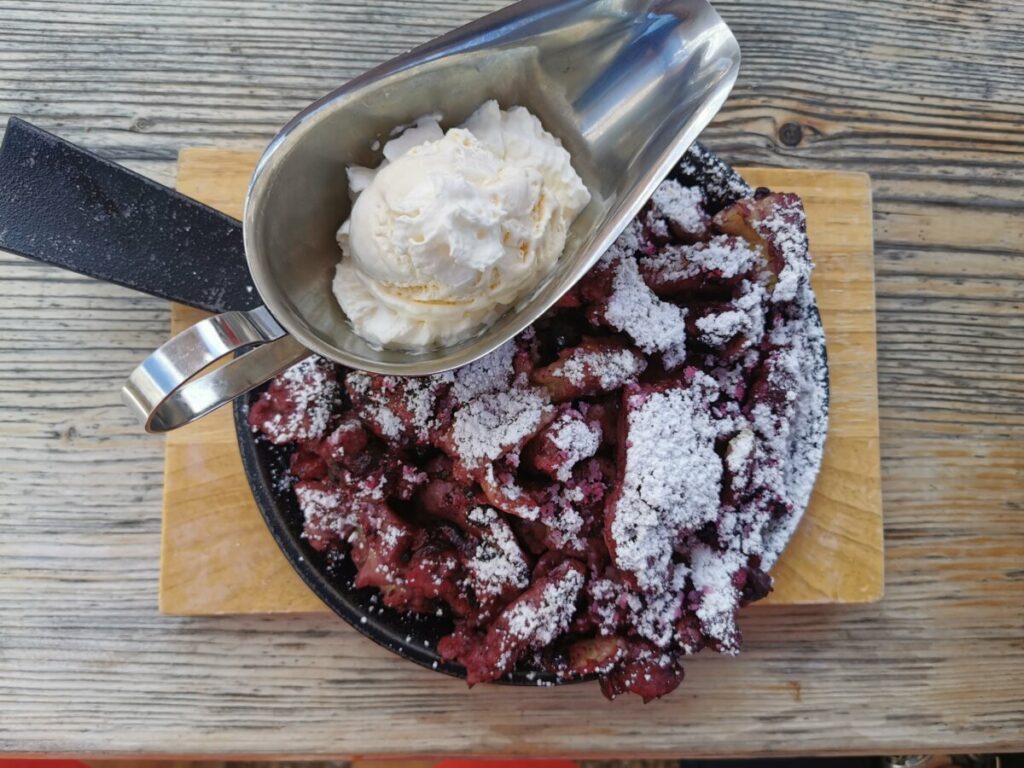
[{"x": 627, "y": 85}]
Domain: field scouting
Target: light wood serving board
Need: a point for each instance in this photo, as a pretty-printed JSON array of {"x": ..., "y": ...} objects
[{"x": 217, "y": 557}]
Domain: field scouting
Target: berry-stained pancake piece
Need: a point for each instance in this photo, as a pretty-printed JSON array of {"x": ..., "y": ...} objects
[{"x": 602, "y": 494}]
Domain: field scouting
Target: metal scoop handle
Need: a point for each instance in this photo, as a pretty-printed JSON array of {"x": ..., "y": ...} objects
[{"x": 166, "y": 390}]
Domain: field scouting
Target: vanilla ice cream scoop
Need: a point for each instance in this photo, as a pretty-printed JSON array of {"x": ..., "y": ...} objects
[{"x": 453, "y": 228}]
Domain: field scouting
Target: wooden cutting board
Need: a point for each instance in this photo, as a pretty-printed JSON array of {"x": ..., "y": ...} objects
[{"x": 217, "y": 556}]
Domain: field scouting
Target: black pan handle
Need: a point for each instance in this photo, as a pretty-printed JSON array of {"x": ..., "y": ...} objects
[{"x": 65, "y": 206}]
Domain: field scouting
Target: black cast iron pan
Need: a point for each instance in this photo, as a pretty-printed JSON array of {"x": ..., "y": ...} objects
[{"x": 65, "y": 206}]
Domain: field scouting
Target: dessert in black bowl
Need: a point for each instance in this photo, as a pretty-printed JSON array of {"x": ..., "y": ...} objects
[{"x": 599, "y": 496}]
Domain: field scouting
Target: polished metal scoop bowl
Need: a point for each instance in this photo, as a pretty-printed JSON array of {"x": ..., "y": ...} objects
[{"x": 627, "y": 85}]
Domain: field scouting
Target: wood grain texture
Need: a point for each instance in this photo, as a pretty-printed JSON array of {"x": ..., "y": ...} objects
[
  {"x": 209, "y": 515},
  {"x": 925, "y": 95}
]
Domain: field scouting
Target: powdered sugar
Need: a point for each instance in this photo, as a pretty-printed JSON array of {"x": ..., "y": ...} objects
[
  {"x": 719, "y": 599},
  {"x": 311, "y": 389},
  {"x": 390, "y": 424},
  {"x": 721, "y": 184},
  {"x": 421, "y": 399},
  {"x": 322, "y": 509},
  {"x": 613, "y": 368},
  {"x": 717, "y": 329},
  {"x": 492, "y": 423},
  {"x": 488, "y": 374},
  {"x": 786, "y": 229},
  {"x": 538, "y": 623},
  {"x": 724, "y": 257},
  {"x": 739, "y": 452},
  {"x": 800, "y": 445},
  {"x": 679, "y": 205},
  {"x": 399, "y": 407},
  {"x": 499, "y": 411},
  {"x": 656, "y": 614},
  {"x": 608, "y": 600},
  {"x": 497, "y": 564},
  {"x": 634, "y": 309},
  {"x": 505, "y": 493},
  {"x": 565, "y": 523},
  {"x": 671, "y": 483},
  {"x": 577, "y": 439},
  {"x": 315, "y": 501},
  {"x": 628, "y": 244}
]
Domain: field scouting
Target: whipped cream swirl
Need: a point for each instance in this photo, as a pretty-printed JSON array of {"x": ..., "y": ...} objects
[{"x": 454, "y": 227}]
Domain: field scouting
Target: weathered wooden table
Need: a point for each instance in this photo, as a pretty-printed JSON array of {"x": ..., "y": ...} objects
[{"x": 926, "y": 95}]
